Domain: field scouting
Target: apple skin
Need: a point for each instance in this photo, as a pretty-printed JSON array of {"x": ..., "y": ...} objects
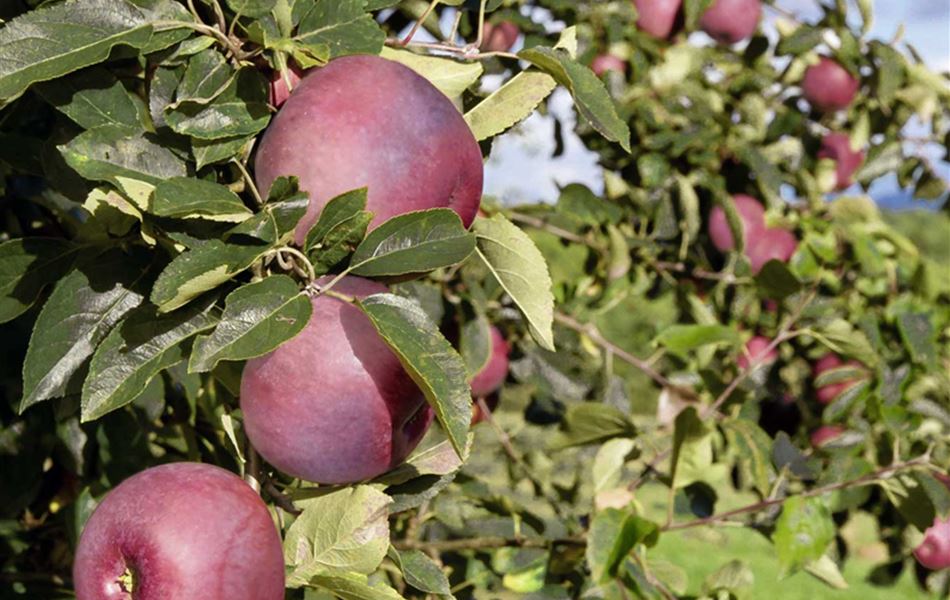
[
  {"x": 770, "y": 243},
  {"x": 279, "y": 92},
  {"x": 731, "y": 21},
  {"x": 934, "y": 551},
  {"x": 825, "y": 434},
  {"x": 494, "y": 373},
  {"x": 186, "y": 530},
  {"x": 499, "y": 37},
  {"x": 837, "y": 147},
  {"x": 603, "y": 63},
  {"x": 367, "y": 121},
  {"x": 334, "y": 405},
  {"x": 658, "y": 17},
  {"x": 828, "y": 86},
  {"x": 828, "y": 362},
  {"x": 752, "y": 215},
  {"x": 756, "y": 348}
]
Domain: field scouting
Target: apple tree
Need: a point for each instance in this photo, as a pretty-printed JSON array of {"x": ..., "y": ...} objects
[{"x": 265, "y": 335}]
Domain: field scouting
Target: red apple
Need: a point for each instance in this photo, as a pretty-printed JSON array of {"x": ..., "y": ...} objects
[
  {"x": 499, "y": 37},
  {"x": 731, "y": 21},
  {"x": 752, "y": 215},
  {"x": 658, "y": 17},
  {"x": 334, "y": 405},
  {"x": 770, "y": 243},
  {"x": 603, "y": 63},
  {"x": 181, "y": 530},
  {"x": 755, "y": 351},
  {"x": 825, "y": 434},
  {"x": 279, "y": 92},
  {"x": 495, "y": 371},
  {"x": 367, "y": 121},
  {"x": 837, "y": 147},
  {"x": 828, "y": 393},
  {"x": 828, "y": 86},
  {"x": 934, "y": 551}
]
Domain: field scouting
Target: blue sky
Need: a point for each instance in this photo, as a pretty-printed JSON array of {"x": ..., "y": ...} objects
[{"x": 522, "y": 170}]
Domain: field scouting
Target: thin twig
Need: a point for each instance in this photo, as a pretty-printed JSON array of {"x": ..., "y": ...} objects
[
  {"x": 415, "y": 26},
  {"x": 544, "y": 225},
  {"x": 784, "y": 334},
  {"x": 468, "y": 51},
  {"x": 883, "y": 473},
  {"x": 591, "y": 331},
  {"x": 518, "y": 460},
  {"x": 485, "y": 543},
  {"x": 700, "y": 273}
]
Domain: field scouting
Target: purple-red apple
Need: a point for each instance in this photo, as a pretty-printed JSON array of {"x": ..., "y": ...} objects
[
  {"x": 757, "y": 351},
  {"x": 826, "y": 394},
  {"x": 334, "y": 404},
  {"x": 828, "y": 86},
  {"x": 752, "y": 215},
  {"x": 493, "y": 374},
  {"x": 279, "y": 90},
  {"x": 499, "y": 37},
  {"x": 181, "y": 530},
  {"x": 837, "y": 147},
  {"x": 934, "y": 551},
  {"x": 658, "y": 17},
  {"x": 603, "y": 63},
  {"x": 364, "y": 121},
  {"x": 731, "y": 21},
  {"x": 770, "y": 243},
  {"x": 825, "y": 434}
]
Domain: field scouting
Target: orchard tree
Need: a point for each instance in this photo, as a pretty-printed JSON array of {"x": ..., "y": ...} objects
[{"x": 264, "y": 337}]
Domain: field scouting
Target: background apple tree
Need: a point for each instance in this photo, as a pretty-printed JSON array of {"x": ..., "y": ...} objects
[{"x": 705, "y": 393}]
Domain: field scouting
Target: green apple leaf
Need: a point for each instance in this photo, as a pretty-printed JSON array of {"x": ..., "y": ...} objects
[
  {"x": 521, "y": 271},
  {"x": 450, "y": 76},
  {"x": 93, "y": 98},
  {"x": 429, "y": 359},
  {"x": 113, "y": 153},
  {"x": 421, "y": 572},
  {"x": 57, "y": 39},
  {"x": 27, "y": 265},
  {"x": 257, "y": 318},
  {"x": 342, "y": 26},
  {"x": 200, "y": 269},
  {"x": 414, "y": 242},
  {"x": 240, "y": 110},
  {"x": 803, "y": 532},
  {"x": 190, "y": 198},
  {"x": 344, "y": 530},
  {"x": 353, "y": 586},
  {"x": 138, "y": 349},
  {"x": 84, "y": 306},
  {"x": 590, "y": 96}
]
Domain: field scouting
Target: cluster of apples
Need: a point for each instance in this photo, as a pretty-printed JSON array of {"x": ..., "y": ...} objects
[
  {"x": 934, "y": 551},
  {"x": 827, "y": 85},
  {"x": 333, "y": 405}
]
